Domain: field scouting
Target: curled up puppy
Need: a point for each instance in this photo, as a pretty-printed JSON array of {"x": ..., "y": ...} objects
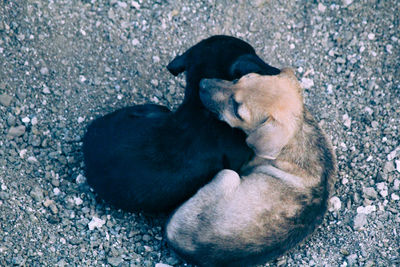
[
  {"x": 280, "y": 196},
  {"x": 150, "y": 159}
]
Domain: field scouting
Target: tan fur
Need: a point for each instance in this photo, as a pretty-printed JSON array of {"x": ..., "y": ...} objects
[{"x": 264, "y": 212}]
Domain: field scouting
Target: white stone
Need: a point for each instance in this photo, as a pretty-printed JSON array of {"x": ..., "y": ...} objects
[
  {"x": 334, "y": 204},
  {"x": 156, "y": 59},
  {"x": 154, "y": 82},
  {"x": 34, "y": 121},
  {"x": 22, "y": 153},
  {"x": 389, "y": 48},
  {"x": 32, "y": 159},
  {"x": 366, "y": 210},
  {"x": 135, "y": 4},
  {"x": 397, "y": 165},
  {"x": 384, "y": 193},
  {"x": 371, "y": 36},
  {"x": 44, "y": 71},
  {"x": 369, "y": 110},
  {"x": 392, "y": 155},
  {"x": 122, "y": 4},
  {"x": 135, "y": 42},
  {"x": 345, "y": 181},
  {"x": 346, "y": 120},
  {"x": 395, "y": 197},
  {"x": 82, "y": 78},
  {"x": 321, "y": 7},
  {"x": 56, "y": 191},
  {"x": 329, "y": 89},
  {"x": 347, "y": 2},
  {"x": 46, "y": 90},
  {"x": 396, "y": 184},
  {"x": 380, "y": 186},
  {"x": 81, "y": 119},
  {"x": 162, "y": 265},
  {"x": 306, "y": 83},
  {"x": 78, "y": 201},
  {"x": 96, "y": 223},
  {"x": 80, "y": 179},
  {"x": 26, "y": 120}
]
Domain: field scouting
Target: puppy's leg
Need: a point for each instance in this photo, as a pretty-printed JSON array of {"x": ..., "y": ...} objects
[{"x": 184, "y": 223}]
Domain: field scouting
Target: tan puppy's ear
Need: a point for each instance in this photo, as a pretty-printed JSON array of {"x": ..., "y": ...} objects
[{"x": 269, "y": 139}]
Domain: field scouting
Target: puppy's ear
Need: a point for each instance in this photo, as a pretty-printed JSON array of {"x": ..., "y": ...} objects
[
  {"x": 177, "y": 65},
  {"x": 251, "y": 64},
  {"x": 268, "y": 140}
]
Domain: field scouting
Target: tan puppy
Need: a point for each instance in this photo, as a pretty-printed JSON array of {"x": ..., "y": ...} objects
[{"x": 281, "y": 195}]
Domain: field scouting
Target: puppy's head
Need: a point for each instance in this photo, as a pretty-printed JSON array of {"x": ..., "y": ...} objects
[
  {"x": 267, "y": 108},
  {"x": 220, "y": 56}
]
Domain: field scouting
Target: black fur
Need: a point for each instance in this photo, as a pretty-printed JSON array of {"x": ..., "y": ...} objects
[{"x": 146, "y": 158}]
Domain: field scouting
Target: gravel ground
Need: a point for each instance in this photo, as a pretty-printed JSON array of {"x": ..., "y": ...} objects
[{"x": 63, "y": 63}]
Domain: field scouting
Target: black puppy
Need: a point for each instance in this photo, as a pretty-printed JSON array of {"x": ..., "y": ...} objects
[{"x": 146, "y": 158}]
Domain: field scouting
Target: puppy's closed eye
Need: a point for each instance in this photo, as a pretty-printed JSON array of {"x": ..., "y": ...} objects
[{"x": 235, "y": 106}]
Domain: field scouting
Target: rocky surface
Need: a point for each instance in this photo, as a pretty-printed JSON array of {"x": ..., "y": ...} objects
[{"x": 63, "y": 63}]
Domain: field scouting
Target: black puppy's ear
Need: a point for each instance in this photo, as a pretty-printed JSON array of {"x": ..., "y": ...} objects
[
  {"x": 177, "y": 65},
  {"x": 251, "y": 64}
]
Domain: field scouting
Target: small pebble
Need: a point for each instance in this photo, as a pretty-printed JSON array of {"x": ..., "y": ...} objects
[
  {"x": 334, "y": 204},
  {"x": 44, "y": 71},
  {"x": 156, "y": 59},
  {"x": 370, "y": 192},
  {"x": 26, "y": 120},
  {"x": 46, "y": 90},
  {"x": 321, "y": 7},
  {"x": 22, "y": 153},
  {"x": 396, "y": 184},
  {"x": 397, "y": 165},
  {"x": 32, "y": 159},
  {"x": 56, "y": 191},
  {"x": 359, "y": 221},
  {"x": 37, "y": 193},
  {"x": 346, "y": 120},
  {"x": 371, "y": 36},
  {"x": 366, "y": 210},
  {"x": 34, "y": 121},
  {"x": 135, "y": 4},
  {"x": 162, "y": 265},
  {"x": 384, "y": 193},
  {"x": 80, "y": 179},
  {"x": 307, "y": 83},
  {"x": 78, "y": 201},
  {"x": 135, "y": 42},
  {"x": 5, "y": 100},
  {"x": 347, "y": 2},
  {"x": 114, "y": 261},
  {"x": 17, "y": 131},
  {"x": 96, "y": 223}
]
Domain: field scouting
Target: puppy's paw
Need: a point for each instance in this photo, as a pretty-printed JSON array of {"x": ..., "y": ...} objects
[{"x": 227, "y": 181}]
